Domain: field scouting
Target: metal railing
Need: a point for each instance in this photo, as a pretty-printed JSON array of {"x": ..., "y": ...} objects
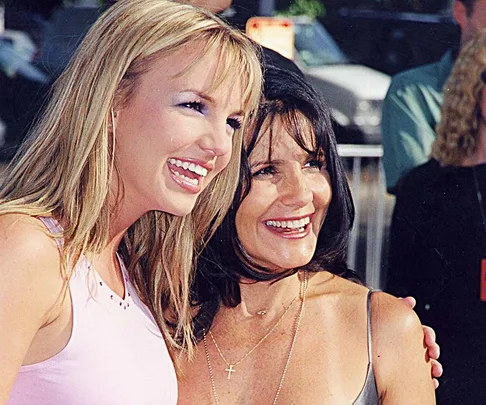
[{"x": 367, "y": 181}]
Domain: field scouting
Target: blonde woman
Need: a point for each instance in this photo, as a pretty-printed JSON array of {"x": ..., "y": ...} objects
[
  {"x": 438, "y": 233},
  {"x": 122, "y": 178}
]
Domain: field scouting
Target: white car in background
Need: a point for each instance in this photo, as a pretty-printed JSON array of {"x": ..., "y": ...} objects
[{"x": 354, "y": 92}]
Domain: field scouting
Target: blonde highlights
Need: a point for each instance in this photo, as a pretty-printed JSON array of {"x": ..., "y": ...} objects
[
  {"x": 461, "y": 109},
  {"x": 65, "y": 167}
]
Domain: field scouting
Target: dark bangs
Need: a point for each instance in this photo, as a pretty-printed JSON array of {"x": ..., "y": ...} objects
[{"x": 295, "y": 122}]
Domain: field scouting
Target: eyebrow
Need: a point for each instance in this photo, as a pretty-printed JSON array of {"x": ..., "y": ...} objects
[
  {"x": 277, "y": 161},
  {"x": 264, "y": 162}
]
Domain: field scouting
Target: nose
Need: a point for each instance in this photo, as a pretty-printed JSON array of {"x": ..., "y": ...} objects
[
  {"x": 295, "y": 189},
  {"x": 216, "y": 141}
]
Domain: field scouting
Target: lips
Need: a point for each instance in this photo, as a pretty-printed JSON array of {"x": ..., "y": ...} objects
[{"x": 188, "y": 174}]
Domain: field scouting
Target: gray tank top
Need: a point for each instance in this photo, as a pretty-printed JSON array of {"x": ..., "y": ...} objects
[{"x": 369, "y": 393}]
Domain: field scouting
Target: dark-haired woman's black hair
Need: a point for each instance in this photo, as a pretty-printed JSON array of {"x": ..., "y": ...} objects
[{"x": 223, "y": 262}]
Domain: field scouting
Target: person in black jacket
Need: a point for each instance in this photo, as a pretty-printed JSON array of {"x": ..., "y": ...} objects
[{"x": 438, "y": 233}]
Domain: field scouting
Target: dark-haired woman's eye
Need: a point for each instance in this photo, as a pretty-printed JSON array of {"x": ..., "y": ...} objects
[
  {"x": 266, "y": 171},
  {"x": 314, "y": 164}
]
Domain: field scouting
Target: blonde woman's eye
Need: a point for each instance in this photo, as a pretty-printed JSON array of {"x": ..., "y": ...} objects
[
  {"x": 193, "y": 105},
  {"x": 234, "y": 123}
]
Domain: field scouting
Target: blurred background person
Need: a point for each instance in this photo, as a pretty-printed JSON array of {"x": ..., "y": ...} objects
[
  {"x": 411, "y": 108},
  {"x": 438, "y": 233}
]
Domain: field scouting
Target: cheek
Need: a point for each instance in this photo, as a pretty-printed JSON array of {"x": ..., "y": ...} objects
[
  {"x": 322, "y": 190},
  {"x": 222, "y": 162},
  {"x": 246, "y": 221}
]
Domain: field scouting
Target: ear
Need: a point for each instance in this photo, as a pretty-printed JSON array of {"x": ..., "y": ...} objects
[{"x": 460, "y": 13}]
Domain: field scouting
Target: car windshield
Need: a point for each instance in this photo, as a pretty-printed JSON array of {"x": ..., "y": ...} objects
[{"x": 315, "y": 45}]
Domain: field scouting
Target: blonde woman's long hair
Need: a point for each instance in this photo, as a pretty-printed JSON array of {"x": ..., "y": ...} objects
[
  {"x": 66, "y": 166},
  {"x": 461, "y": 107}
]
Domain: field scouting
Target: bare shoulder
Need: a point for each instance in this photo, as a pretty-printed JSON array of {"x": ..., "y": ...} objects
[
  {"x": 29, "y": 259},
  {"x": 401, "y": 365},
  {"x": 24, "y": 233},
  {"x": 393, "y": 319},
  {"x": 30, "y": 290},
  {"x": 324, "y": 283}
]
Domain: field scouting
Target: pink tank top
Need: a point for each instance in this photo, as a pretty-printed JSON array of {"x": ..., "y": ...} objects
[{"x": 116, "y": 354}]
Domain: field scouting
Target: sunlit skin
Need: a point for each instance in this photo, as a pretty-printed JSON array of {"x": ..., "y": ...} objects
[
  {"x": 291, "y": 187},
  {"x": 171, "y": 120},
  {"x": 470, "y": 24}
]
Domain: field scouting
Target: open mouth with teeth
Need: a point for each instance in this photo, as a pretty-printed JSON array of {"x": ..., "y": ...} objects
[
  {"x": 188, "y": 172},
  {"x": 291, "y": 226}
]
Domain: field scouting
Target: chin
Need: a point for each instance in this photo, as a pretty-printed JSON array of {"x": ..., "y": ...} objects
[
  {"x": 178, "y": 209},
  {"x": 283, "y": 263}
]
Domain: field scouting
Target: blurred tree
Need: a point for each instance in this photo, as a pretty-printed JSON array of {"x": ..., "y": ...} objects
[
  {"x": 311, "y": 8},
  {"x": 422, "y": 6}
]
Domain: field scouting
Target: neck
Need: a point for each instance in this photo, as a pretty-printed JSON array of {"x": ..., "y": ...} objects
[
  {"x": 479, "y": 155},
  {"x": 271, "y": 297}
]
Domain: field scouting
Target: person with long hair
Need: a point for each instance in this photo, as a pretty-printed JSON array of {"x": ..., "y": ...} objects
[
  {"x": 277, "y": 315},
  {"x": 438, "y": 232},
  {"x": 126, "y": 173}
]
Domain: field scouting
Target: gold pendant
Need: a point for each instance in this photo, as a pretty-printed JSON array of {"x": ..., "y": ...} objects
[{"x": 230, "y": 370}]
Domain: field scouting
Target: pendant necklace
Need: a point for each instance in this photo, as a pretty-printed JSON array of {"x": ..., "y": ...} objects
[{"x": 231, "y": 366}]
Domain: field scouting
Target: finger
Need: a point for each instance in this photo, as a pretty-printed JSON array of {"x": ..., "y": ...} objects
[
  {"x": 410, "y": 301},
  {"x": 437, "y": 369},
  {"x": 433, "y": 349}
]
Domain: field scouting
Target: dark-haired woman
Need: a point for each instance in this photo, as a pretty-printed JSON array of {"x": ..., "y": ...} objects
[{"x": 278, "y": 323}]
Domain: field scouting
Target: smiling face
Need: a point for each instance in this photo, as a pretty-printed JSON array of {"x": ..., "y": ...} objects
[
  {"x": 174, "y": 134},
  {"x": 278, "y": 222}
]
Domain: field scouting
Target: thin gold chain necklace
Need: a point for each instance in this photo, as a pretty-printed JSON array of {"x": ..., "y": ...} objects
[
  {"x": 230, "y": 369},
  {"x": 231, "y": 366}
]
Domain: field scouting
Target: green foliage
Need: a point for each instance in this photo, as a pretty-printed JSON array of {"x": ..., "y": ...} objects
[{"x": 311, "y": 8}]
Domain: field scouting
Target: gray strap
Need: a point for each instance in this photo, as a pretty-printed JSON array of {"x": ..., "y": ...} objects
[{"x": 368, "y": 310}]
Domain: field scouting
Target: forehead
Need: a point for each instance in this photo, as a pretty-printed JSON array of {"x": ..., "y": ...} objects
[
  {"x": 186, "y": 69},
  {"x": 277, "y": 139}
]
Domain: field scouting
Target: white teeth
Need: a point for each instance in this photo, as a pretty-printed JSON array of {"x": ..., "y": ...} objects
[
  {"x": 195, "y": 182},
  {"x": 296, "y": 224},
  {"x": 199, "y": 170}
]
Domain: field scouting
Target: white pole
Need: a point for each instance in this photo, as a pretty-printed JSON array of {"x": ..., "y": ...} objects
[{"x": 2, "y": 19}]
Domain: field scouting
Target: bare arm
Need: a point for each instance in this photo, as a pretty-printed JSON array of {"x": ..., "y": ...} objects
[
  {"x": 30, "y": 285},
  {"x": 401, "y": 364}
]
